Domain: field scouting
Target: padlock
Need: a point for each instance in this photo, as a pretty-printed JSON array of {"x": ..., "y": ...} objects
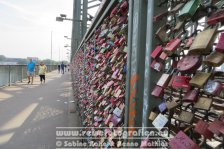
[
  {"x": 191, "y": 96},
  {"x": 107, "y": 121},
  {"x": 216, "y": 17},
  {"x": 163, "y": 56},
  {"x": 118, "y": 112},
  {"x": 125, "y": 49},
  {"x": 160, "y": 121},
  {"x": 162, "y": 107},
  {"x": 215, "y": 59},
  {"x": 220, "y": 45},
  {"x": 178, "y": 26},
  {"x": 181, "y": 82},
  {"x": 114, "y": 121},
  {"x": 186, "y": 117},
  {"x": 117, "y": 93},
  {"x": 189, "y": 42},
  {"x": 203, "y": 42},
  {"x": 161, "y": 35},
  {"x": 202, "y": 128},
  {"x": 158, "y": 66},
  {"x": 200, "y": 79},
  {"x": 213, "y": 87},
  {"x": 104, "y": 33},
  {"x": 182, "y": 141},
  {"x": 156, "y": 53},
  {"x": 122, "y": 20},
  {"x": 171, "y": 105},
  {"x": 153, "y": 114},
  {"x": 216, "y": 126},
  {"x": 160, "y": 16},
  {"x": 157, "y": 91},
  {"x": 189, "y": 9},
  {"x": 203, "y": 103},
  {"x": 124, "y": 5},
  {"x": 164, "y": 80},
  {"x": 114, "y": 12},
  {"x": 189, "y": 63},
  {"x": 172, "y": 46}
]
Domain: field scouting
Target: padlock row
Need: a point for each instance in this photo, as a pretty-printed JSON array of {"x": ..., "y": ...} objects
[
  {"x": 190, "y": 52},
  {"x": 100, "y": 73}
]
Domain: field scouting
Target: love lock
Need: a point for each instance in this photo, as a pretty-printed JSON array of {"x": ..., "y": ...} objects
[
  {"x": 203, "y": 42},
  {"x": 203, "y": 103},
  {"x": 186, "y": 117},
  {"x": 189, "y": 63},
  {"x": 189, "y": 9},
  {"x": 200, "y": 79},
  {"x": 182, "y": 141}
]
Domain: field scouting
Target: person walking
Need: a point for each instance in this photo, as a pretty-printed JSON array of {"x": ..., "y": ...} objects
[
  {"x": 42, "y": 71},
  {"x": 30, "y": 71},
  {"x": 59, "y": 68},
  {"x": 62, "y": 68}
]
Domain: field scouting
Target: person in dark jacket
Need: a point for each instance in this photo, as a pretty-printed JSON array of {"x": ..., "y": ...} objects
[{"x": 62, "y": 68}]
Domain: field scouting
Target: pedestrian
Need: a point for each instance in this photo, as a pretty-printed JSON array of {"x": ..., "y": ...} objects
[
  {"x": 59, "y": 68},
  {"x": 30, "y": 71},
  {"x": 62, "y": 68},
  {"x": 42, "y": 71}
]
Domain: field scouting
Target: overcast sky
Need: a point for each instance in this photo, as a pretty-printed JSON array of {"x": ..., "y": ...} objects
[{"x": 26, "y": 25}]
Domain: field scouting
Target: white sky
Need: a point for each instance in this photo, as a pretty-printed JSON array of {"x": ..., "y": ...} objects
[{"x": 26, "y": 25}]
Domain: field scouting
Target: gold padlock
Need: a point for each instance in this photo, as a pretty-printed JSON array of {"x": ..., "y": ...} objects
[
  {"x": 171, "y": 105},
  {"x": 215, "y": 59},
  {"x": 200, "y": 79},
  {"x": 186, "y": 117},
  {"x": 203, "y": 42},
  {"x": 154, "y": 113},
  {"x": 203, "y": 103}
]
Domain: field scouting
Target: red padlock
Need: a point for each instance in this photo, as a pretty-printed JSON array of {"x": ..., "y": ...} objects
[
  {"x": 181, "y": 82},
  {"x": 163, "y": 56},
  {"x": 220, "y": 45},
  {"x": 124, "y": 5},
  {"x": 182, "y": 141},
  {"x": 156, "y": 53},
  {"x": 189, "y": 63},
  {"x": 191, "y": 96},
  {"x": 216, "y": 17},
  {"x": 157, "y": 91},
  {"x": 202, "y": 128},
  {"x": 172, "y": 46},
  {"x": 215, "y": 127},
  {"x": 114, "y": 12}
]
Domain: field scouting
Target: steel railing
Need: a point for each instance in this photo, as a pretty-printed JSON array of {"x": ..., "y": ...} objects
[{"x": 10, "y": 74}]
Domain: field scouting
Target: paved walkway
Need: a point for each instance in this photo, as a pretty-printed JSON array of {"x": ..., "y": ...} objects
[{"x": 29, "y": 114}]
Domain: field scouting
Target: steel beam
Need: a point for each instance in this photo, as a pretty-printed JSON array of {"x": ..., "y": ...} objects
[
  {"x": 75, "y": 26},
  {"x": 92, "y": 1},
  {"x": 84, "y": 17},
  {"x": 138, "y": 9},
  {"x": 150, "y": 75},
  {"x": 90, "y": 7}
]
